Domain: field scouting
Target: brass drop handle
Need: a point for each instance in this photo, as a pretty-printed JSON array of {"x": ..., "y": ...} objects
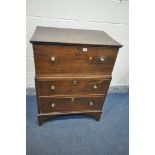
[
  {"x": 52, "y": 87},
  {"x": 90, "y": 58},
  {"x": 101, "y": 59},
  {"x": 95, "y": 86},
  {"x": 52, "y": 105},
  {"x": 52, "y": 59},
  {"x": 91, "y": 103},
  {"x": 75, "y": 82},
  {"x": 72, "y": 99}
]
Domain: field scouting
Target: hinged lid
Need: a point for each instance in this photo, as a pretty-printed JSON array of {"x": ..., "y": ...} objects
[{"x": 52, "y": 35}]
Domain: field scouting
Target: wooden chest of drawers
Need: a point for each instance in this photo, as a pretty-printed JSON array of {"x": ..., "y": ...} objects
[{"x": 73, "y": 71}]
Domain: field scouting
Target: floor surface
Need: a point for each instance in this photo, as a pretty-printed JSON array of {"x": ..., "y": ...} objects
[{"x": 81, "y": 135}]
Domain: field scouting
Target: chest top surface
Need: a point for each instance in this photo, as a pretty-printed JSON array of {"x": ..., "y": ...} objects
[{"x": 52, "y": 35}]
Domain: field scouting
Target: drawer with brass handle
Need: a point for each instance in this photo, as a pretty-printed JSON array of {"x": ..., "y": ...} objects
[
  {"x": 52, "y": 59},
  {"x": 72, "y": 86},
  {"x": 53, "y": 104}
]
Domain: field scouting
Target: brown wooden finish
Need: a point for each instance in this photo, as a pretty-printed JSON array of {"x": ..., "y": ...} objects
[
  {"x": 72, "y": 59},
  {"x": 73, "y": 71},
  {"x": 44, "y": 117},
  {"x": 52, "y": 104},
  {"x": 69, "y": 87},
  {"x": 73, "y": 76},
  {"x": 53, "y": 35}
]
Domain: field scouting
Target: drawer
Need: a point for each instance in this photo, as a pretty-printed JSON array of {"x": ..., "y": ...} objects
[
  {"x": 54, "y": 59},
  {"x": 46, "y": 87},
  {"x": 50, "y": 104}
]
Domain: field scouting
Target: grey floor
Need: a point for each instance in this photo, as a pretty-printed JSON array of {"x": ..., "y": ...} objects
[{"x": 81, "y": 135}]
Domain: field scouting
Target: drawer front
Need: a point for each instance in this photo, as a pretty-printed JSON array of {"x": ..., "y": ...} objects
[
  {"x": 54, "y": 59},
  {"x": 72, "y": 86},
  {"x": 48, "y": 104}
]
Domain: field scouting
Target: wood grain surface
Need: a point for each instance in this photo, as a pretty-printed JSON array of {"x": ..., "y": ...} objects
[
  {"x": 67, "y": 87},
  {"x": 48, "y": 104},
  {"x": 72, "y": 59},
  {"x": 73, "y": 70},
  {"x": 65, "y": 36}
]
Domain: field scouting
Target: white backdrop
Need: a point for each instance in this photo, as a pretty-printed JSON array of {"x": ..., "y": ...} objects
[{"x": 110, "y": 16}]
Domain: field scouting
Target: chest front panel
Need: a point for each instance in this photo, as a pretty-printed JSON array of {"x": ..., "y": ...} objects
[{"x": 51, "y": 59}]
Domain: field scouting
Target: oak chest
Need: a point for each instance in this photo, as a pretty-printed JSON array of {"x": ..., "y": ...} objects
[{"x": 73, "y": 71}]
